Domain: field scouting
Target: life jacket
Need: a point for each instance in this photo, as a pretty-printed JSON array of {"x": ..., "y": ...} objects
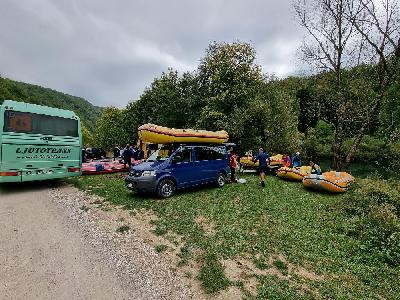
[{"x": 232, "y": 161}]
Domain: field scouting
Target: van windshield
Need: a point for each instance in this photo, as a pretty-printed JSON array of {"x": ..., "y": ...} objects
[{"x": 161, "y": 154}]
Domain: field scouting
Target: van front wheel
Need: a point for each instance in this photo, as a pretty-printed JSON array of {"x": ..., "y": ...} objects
[
  {"x": 165, "y": 188},
  {"x": 221, "y": 179}
]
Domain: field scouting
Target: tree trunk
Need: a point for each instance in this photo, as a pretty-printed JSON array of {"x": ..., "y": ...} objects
[
  {"x": 354, "y": 148},
  {"x": 361, "y": 133},
  {"x": 337, "y": 149}
]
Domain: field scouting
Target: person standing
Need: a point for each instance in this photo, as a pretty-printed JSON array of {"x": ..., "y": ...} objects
[
  {"x": 287, "y": 162},
  {"x": 263, "y": 159},
  {"x": 84, "y": 155},
  {"x": 296, "y": 160},
  {"x": 116, "y": 152},
  {"x": 232, "y": 164},
  {"x": 135, "y": 154},
  {"x": 127, "y": 155},
  {"x": 132, "y": 148}
]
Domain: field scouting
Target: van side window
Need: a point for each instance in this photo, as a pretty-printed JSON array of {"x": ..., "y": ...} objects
[
  {"x": 218, "y": 153},
  {"x": 208, "y": 153},
  {"x": 185, "y": 155},
  {"x": 202, "y": 154}
]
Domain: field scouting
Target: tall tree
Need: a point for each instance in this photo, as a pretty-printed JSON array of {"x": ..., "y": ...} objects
[
  {"x": 166, "y": 102},
  {"x": 87, "y": 136},
  {"x": 267, "y": 120},
  {"x": 109, "y": 131},
  {"x": 335, "y": 44},
  {"x": 378, "y": 22},
  {"x": 308, "y": 110},
  {"x": 228, "y": 78}
]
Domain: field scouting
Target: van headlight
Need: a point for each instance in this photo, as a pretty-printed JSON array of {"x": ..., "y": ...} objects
[{"x": 149, "y": 173}]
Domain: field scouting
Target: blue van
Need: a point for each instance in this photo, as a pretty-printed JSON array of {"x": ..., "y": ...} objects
[{"x": 174, "y": 167}]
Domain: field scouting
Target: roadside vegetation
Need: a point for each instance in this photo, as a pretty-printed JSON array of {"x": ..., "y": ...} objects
[{"x": 281, "y": 242}]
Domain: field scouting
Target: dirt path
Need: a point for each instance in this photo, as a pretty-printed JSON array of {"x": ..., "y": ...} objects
[{"x": 43, "y": 255}]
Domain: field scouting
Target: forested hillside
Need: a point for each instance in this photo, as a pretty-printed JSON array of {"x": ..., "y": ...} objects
[{"x": 20, "y": 91}]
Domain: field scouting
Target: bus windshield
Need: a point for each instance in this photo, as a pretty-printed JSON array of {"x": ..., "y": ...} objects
[{"x": 24, "y": 122}]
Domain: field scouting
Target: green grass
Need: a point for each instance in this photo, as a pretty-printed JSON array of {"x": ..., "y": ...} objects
[
  {"x": 281, "y": 266},
  {"x": 122, "y": 228},
  {"x": 260, "y": 263},
  {"x": 161, "y": 248},
  {"x": 212, "y": 274},
  {"x": 283, "y": 218}
]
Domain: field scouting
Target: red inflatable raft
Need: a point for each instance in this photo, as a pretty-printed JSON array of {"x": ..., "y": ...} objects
[{"x": 102, "y": 167}]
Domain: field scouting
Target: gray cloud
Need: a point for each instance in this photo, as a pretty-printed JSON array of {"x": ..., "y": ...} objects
[{"x": 109, "y": 51}]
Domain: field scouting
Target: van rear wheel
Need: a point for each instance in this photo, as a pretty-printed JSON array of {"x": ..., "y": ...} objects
[
  {"x": 221, "y": 179},
  {"x": 165, "y": 188}
]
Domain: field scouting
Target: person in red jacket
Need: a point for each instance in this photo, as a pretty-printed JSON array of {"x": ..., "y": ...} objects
[
  {"x": 287, "y": 161},
  {"x": 232, "y": 165}
]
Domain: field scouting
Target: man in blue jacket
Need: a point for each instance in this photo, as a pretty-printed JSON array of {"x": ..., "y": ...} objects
[
  {"x": 263, "y": 159},
  {"x": 127, "y": 155}
]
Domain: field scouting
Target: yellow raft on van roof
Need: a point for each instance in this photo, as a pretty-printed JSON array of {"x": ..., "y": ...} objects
[{"x": 154, "y": 134}]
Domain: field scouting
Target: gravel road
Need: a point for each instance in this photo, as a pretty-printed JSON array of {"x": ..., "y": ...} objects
[{"x": 49, "y": 249}]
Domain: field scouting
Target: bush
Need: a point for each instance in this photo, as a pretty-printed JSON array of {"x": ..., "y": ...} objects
[
  {"x": 379, "y": 152},
  {"x": 379, "y": 225},
  {"x": 364, "y": 194},
  {"x": 374, "y": 209},
  {"x": 393, "y": 249},
  {"x": 318, "y": 143}
]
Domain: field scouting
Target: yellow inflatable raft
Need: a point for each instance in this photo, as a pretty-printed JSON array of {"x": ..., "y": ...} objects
[
  {"x": 334, "y": 182},
  {"x": 276, "y": 160},
  {"x": 296, "y": 174},
  {"x": 248, "y": 161},
  {"x": 150, "y": 133}
]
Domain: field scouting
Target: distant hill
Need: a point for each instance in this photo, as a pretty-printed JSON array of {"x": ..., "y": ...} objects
[{"x": 24, "y": 92}]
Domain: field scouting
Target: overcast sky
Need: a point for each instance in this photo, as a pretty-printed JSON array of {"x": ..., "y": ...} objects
[{"x": 109, "y": 51}]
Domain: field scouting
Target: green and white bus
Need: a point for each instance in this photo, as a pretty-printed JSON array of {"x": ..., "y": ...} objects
[{"x": 38, "y": 142}]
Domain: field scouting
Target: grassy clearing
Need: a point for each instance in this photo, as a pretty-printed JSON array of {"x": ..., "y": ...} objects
[{"x": 291, "y": 241}]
